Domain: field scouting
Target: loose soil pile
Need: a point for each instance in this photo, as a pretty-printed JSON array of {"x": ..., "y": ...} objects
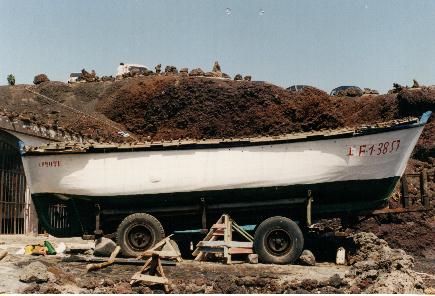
[{"x": 172, "y": 107}]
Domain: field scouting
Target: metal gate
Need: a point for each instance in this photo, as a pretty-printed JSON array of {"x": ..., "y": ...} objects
[{"x": 13, "y": 207}]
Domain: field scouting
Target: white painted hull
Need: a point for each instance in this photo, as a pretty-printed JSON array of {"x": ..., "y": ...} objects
[{"x": 210, "y": 169}]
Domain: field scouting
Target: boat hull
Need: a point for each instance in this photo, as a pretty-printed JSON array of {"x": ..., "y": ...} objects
[{"x": 149, "y": 173}]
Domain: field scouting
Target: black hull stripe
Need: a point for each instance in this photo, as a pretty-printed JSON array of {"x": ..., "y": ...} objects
[{"x": 332, "y": 199}]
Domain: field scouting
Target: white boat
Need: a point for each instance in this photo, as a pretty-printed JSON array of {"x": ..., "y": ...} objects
[{"x": 346, "y": 170}]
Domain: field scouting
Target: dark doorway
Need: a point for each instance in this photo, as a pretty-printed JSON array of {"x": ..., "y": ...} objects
[{"x": 13, "y": 206}]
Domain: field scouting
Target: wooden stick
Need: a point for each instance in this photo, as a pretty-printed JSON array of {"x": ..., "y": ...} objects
[
  {"x": 97, "y": 266},
  {"x": 3, "y": 254},
  {"x": 160, "y": 244},
  {"x": 425, "y": 275}
]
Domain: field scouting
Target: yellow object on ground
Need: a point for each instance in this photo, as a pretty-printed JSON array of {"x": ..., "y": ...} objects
[{"x": 28, "y": 249}]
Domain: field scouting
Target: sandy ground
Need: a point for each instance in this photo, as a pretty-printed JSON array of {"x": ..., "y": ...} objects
[
  {"x": 378, "y": 269},
  {"x": 187, "y": 276}
]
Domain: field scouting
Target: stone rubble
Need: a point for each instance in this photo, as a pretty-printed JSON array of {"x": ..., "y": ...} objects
[
  {"x": 35, "y": 272},
  {"x": 376, "y": 268},
  {"x": 307, "y": 258}
]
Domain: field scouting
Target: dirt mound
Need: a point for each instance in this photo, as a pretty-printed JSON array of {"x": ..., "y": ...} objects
[{"x": 173, "y": 107}]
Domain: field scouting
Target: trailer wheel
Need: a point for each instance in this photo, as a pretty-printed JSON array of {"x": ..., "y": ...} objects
[
  {"x": 139, "y": 232},
  {"x": 278, "y": 240}
]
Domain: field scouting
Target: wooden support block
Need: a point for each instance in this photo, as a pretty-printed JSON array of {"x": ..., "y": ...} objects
[
  {"x": 226, "y": 246},
  {"x": 253, "y": 258},
  {"x": 227, "y": 255},
  {"x": 240, "y": 251}
]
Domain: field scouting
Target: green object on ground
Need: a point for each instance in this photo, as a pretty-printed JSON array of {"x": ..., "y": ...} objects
[{"x": 50, "y": 249}]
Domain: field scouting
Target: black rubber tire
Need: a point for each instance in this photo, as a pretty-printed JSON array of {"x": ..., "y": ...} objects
[
  {"x": 278, "y": 227},
  {"x": 153, "y": 231}
]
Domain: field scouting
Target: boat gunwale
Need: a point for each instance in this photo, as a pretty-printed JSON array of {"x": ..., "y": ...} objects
[{"x": 189, "y": 144}]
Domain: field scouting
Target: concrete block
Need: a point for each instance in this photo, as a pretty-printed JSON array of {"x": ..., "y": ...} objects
[
  {"x": 341, "y": 256},
  {"x": 253, "y": 258},
  {"x": 104, "y": 247}
]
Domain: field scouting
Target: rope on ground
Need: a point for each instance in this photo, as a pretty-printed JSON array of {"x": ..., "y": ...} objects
[{"x": 121, "y": 132}]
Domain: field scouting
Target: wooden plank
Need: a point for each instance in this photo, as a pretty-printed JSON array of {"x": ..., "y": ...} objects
[
  {"x": 218, "y": 233},
  {"x": 149, "y": 279},
  {"x": 211, "y": 244},
  {"x": 218, "y": 226},
  {"x": 227, "y": 237},
  {"x": 234, "y": 244},
  {"x": 240, "y": 251}
]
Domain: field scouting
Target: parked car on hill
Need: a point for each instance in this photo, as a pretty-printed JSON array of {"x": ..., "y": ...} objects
[{"x": 347, "y": 91}]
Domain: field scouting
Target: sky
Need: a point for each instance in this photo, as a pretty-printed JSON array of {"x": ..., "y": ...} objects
[{"x": 322, "y": 43}]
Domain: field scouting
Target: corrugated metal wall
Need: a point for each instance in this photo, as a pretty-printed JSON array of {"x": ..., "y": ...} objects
[{"x": 13, "y": 207}]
